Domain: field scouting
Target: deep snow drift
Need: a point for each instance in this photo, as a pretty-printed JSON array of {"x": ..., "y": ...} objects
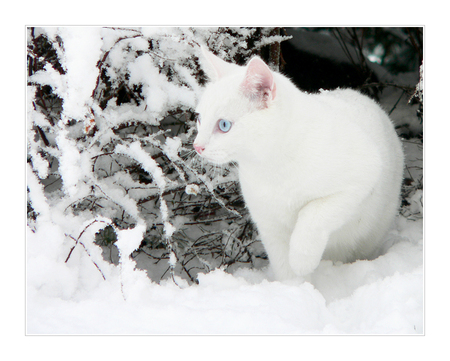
[{"x": 383, "y": 296}]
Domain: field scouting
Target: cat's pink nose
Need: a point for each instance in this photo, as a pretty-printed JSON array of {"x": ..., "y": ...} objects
[{"x": 199, "y": 148}]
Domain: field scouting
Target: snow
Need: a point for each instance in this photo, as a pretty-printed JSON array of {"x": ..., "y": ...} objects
[
  {"x": 135, "y": 151},
  {"x": 71, "y": 162},
  {"x": 171, "y": 147},
  {"x": 160, "y": 93},
  {"x": 79, "y": 59},
  {"x": 129, "y": 240},
  {"x": 72, "y": 290},
  {"x": 82, "y": 51},
  {"x": 383, "y": 296},
  {"x": 192, "y": 189},
  {"x": 40, "y": 164}
]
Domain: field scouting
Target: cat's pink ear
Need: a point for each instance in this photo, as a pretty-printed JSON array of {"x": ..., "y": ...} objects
[
  {"x": 215, "y": 67},
  {"x": 259, "y": 84}
]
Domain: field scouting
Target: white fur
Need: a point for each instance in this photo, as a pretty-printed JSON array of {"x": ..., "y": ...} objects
[{"x": 320, "y": 173}]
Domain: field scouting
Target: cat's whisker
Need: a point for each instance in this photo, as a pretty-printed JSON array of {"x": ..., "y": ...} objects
[{"x": 192, "y": 154}]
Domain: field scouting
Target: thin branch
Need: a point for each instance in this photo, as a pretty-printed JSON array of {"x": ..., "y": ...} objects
[
  {"x": 406, "y": 88},
  {"x": 396, "y": 103},
  {"x": 77, "y": 241}
]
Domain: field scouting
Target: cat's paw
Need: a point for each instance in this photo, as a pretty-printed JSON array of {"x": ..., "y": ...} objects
[
  {"x": 303, "y": 263},
  {"x": 281, "y": 271}
]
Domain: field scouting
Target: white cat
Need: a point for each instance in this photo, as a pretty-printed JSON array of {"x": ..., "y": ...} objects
[{"x": 320, "y": 173}]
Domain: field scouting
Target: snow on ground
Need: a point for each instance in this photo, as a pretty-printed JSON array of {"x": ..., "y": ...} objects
[{"x": 383, "y": 296}]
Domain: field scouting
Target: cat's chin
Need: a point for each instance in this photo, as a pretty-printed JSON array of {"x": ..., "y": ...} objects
[{"x": 216, "y": 160}]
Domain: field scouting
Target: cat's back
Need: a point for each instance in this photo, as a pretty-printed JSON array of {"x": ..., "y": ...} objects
[
  {"x": 350, "y": 112},
  {"x": 341, "y": 135},
  {"x": 358, "y": 110}
]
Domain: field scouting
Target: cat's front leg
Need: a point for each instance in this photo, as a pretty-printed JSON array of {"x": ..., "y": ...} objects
[
  {"x": 278, "y": 251},
  {"x": 306, "y": 251},
  {"x": 315, "y": 223},
  {"x": 275, "y": 239}
]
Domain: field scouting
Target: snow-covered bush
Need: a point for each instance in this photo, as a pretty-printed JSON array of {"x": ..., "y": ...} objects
[{"x": 110, "y": 162}]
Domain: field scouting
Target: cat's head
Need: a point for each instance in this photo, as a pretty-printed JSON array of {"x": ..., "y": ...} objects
[{"x": 233, "y": 98}]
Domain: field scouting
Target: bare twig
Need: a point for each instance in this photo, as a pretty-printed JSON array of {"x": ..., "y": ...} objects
[{"x": 77, "y": 241}]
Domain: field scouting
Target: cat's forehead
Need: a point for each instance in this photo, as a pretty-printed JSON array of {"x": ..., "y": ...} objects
[
  {"x": 221, "y": 98},
  {"x": 224, "y": 87}
]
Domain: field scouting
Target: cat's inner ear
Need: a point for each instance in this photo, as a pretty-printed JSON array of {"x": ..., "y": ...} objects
[{"x": 259, "y": 85}]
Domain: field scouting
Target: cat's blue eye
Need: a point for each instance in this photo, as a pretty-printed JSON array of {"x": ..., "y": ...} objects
[{"x": 224, "y": 125}]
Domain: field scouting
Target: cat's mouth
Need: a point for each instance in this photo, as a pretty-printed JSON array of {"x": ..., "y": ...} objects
[
  {"x": 199, "y": 148},
  {"x": 211, "y": 153},
  {"x": 211, "y": 159},
  {"x": 216, "y": 157}
]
